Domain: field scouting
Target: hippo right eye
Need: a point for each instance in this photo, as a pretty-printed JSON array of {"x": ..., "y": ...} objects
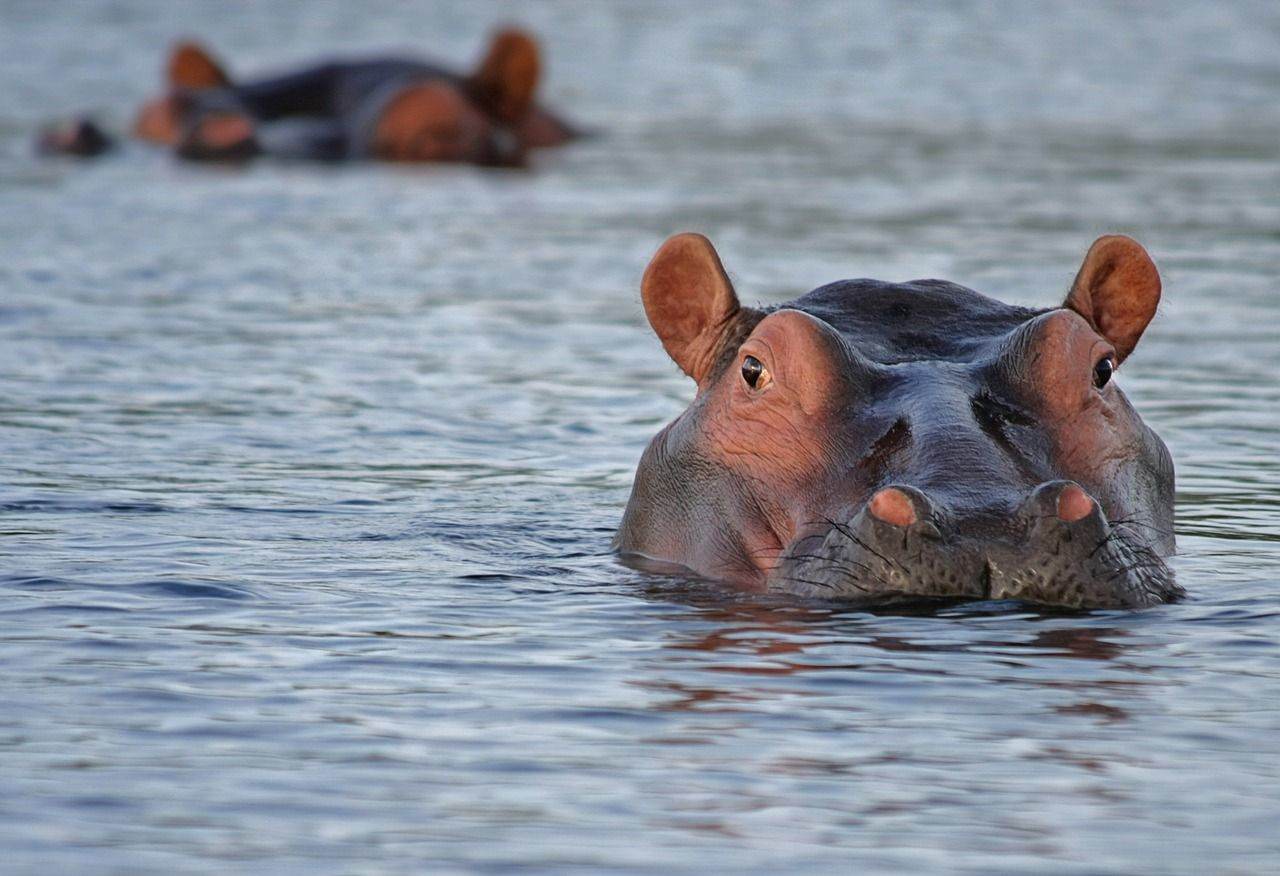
[
  {"x": 754, "y": 373},
  {"x": 1102, "y": 372}
]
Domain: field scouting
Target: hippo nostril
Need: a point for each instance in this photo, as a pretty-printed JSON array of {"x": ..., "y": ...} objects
[
  {"x": 893, "y": 506},
  {"x": 1073, "y": 504},
  {"x": 930, "y": 530}
]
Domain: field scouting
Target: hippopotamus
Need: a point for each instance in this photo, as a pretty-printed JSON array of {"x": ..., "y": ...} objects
[
  {"x": 880, "y": 442},
  {"x": 388, "y": 108}
]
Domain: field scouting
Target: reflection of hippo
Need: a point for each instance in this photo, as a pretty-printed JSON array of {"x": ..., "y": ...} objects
[
  {"x": 388, "y": 108},
  {"x": 879, "y": 441}
]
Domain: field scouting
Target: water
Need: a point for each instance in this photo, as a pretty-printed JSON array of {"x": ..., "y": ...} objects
[{"x": 308, "y": 475}]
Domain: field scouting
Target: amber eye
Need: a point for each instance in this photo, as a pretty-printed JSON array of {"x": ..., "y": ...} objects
[
  {"x": 1102, "y": 372},
  {"x": 754, "y": 373}
]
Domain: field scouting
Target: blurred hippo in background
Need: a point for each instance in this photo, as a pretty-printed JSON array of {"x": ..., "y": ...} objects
[
  {"x": 885, "y": 442},
  {"x": 389, "y": 109}
]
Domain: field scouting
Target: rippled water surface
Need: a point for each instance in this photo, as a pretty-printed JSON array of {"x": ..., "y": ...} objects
[{"x": 308, "y": 475}]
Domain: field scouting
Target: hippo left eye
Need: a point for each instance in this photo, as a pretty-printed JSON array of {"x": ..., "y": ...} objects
[
  {"x": 1102, "y": 372},
  {"x": 754, "y": 373}
]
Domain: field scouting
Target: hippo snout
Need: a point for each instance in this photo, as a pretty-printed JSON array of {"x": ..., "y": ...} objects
[{"x": 1054, "y": 547}]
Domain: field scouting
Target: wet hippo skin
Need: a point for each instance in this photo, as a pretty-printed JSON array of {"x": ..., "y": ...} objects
[
  {"x": 389, "y": 108},
  {"x": 879, "y": 442}
]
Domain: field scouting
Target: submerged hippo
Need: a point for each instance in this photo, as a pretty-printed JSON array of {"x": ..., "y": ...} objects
[
  {"x": 886, "y": 441},
  {"x": 390, "y": 108}
]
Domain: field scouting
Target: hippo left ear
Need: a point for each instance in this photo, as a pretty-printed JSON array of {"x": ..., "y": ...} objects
[
  {"x": 1116, "y": 290},
  {"x": 505, "y": 81},
  {"x": 689, "y": 301}
]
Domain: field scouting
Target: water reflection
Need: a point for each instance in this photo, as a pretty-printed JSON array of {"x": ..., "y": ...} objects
[
  {"x": 765, "y": 645},
  {"x": 922, "y": 694}
]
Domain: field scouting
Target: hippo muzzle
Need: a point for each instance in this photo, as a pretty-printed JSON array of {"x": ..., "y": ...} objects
[
  {"x": 878, "y": 442},
  {"x": 1056, "y": 548}
]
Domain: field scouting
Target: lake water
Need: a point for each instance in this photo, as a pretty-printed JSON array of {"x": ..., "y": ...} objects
[{"x": 308, "y": 475}]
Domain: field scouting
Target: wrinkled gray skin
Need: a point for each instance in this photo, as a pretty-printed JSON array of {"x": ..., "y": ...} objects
[{"x": 942, "y": 393}]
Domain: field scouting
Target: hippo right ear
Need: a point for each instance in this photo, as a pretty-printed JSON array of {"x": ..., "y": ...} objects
[
  {"x": 192, "y": 66},
  {"x": 689, "y": 301},
  {"x": 1116, "y": 290}
]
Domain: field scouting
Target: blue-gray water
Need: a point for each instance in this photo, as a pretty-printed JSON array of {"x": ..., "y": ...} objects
[{"x": 308, "y": 475}]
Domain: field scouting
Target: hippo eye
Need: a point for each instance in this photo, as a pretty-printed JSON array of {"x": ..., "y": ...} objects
[
  {"x": 1102, "y": 372},
  {"x": 754, "y": 373}
]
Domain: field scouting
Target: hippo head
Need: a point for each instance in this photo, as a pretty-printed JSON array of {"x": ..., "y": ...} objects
[
  {"x": 882, "y": 442},
  {"x": 189, "y": 68},
  {"x": 435, "y": 121}
]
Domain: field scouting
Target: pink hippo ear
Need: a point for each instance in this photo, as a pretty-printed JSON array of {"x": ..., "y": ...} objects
[
  {"x": 507, "y": 78},
  {"x": 192, "y": 66},
  {"x": 690, "y": 302},
  {"x": 1116, "y": 290}
]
